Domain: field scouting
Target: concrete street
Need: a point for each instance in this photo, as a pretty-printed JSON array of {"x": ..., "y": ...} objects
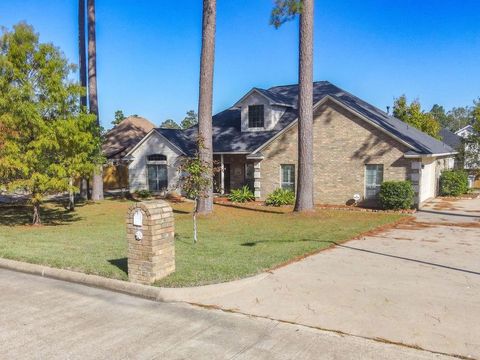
[
  {"x": 42, "y": 318},
  {"x": 418, "y": 284}
]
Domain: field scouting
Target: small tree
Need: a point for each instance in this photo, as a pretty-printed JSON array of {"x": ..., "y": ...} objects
[
  {"x": 49, "y": 140},
  {"x": 169, "y": 124},
  {"x": 195, "y": 181},
  {"x": 119, "y": 117}
]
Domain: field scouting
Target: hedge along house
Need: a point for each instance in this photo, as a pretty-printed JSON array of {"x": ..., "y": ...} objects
[{"x": 356, "y": 148}]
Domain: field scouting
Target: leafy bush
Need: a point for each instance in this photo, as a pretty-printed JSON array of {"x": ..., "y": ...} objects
[
  {"x": 280, "y": 197},
  {"x": 241, "y": 195},
  {"x": 143, "y": 194},
  {"x": 396, "y": 195},
  {"x": 453, "y": 183}
]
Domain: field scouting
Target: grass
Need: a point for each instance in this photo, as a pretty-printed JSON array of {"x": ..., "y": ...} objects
[{"x": 234, "y": 242}]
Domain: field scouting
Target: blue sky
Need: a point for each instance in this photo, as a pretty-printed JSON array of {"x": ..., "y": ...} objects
[{"x": 148, "y": 51}]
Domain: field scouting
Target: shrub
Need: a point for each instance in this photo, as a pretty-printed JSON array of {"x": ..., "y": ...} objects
[
  {"x": 453, "y": 183},
  {"x": 241, "y": 195},
  {"x": 280, "y": 197},
  {"x": 143, "y": 194},
  {"x": 396, "y": 195}
]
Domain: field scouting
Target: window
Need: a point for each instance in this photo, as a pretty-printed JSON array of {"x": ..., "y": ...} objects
[
  {"x": 156, "y": 157},
  {"x": 256, "y": 116},
  {"x": 157, "y": 177},
  {"x": 157, "y": 172},
  {"x": 288, "y": 177},
  {"x": 373, "y": 180}
]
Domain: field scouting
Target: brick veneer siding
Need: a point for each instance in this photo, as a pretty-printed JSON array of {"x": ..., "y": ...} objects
[
  {"x": 343, "y": 144},
  {"x": 152, "y": 257}
]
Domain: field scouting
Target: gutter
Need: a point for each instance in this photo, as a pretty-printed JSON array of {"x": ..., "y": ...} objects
[{"x": 428, "y": 155}]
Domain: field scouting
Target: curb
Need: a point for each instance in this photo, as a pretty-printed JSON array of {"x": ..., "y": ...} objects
[
  {"x": 144, "y": 291},
  {"x": 187, "y": 294}
]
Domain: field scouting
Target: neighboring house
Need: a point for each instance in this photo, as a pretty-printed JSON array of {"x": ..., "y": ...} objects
[
  {"x": 465, "y": 131},
  {"x": 454, "y": 141},
  {"x": 118, "y": 142},
  {"x": 356, "y": 148},
  {"x": 473, "y": 178}
]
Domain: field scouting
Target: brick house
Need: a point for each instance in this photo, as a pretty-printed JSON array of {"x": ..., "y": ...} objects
[{"x": 356, "y": 147}]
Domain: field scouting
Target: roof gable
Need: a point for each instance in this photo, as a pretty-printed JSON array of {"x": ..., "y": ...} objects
[
  {"x": 154, "y": 132},
  {"x": 273, "y": 98},
  {"x": 124, "y": 136}
]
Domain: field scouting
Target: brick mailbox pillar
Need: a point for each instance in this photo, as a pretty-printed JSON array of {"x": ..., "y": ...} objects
[{"x": 151, "y": 247}]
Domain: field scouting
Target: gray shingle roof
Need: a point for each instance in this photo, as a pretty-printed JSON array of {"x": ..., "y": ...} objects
[
  {"x": 423, "y": 143},
  {"x": 227, "y": 135},
  {"x": 450, "y": 138}
]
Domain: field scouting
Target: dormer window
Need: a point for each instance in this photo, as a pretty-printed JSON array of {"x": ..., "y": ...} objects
[{"x": 256, "y": 116}]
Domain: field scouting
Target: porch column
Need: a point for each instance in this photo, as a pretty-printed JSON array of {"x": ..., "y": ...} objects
[
  {"x": 222, "y": 175},
  {"x": 256, "y": 177}
]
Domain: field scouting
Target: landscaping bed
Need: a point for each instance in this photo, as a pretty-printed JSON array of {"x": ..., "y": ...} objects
[
  {"x": 234, "y": 242},
  {"x": 286, "y": 208}
]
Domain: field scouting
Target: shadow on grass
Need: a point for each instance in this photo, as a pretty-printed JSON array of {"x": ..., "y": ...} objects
[
  {"x": 251, "y": 209},
  {"x": 175, "y": 211},
  {"x": 255, "y": 243},
  {"x": 14, "y": 215},
  {"x": 121, "y": 263}
]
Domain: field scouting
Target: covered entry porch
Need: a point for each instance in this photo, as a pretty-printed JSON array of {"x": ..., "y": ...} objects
[{"x": 236, "y": 171}]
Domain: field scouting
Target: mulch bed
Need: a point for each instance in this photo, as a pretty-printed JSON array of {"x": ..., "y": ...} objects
[{"x": 253, "y": 204}]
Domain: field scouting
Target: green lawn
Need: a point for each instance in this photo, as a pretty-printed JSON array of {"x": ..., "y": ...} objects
[{"x": 233, "y": 242}]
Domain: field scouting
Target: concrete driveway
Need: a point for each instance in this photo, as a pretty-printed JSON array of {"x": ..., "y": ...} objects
[{"x": 418, "y": 284}]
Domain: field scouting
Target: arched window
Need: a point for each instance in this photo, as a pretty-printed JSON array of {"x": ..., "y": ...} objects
[{"x": 156, "y": 157}]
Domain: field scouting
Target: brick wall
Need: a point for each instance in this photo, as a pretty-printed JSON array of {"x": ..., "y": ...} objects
[{"x": 343, "y": 144}]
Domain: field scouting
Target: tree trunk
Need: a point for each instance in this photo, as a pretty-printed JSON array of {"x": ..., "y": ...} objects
[
  {"x": 205, "y": 204},
  {"x": 84, "y": 189},
  {"x": 82, "y": 65},
  {"x": 36, "y": 214},
  {"x": 71, "y": 196},
  {"x": 195, "y": 210},
  {"x": 89, "y": 193},
  {"x": 82, "y": 62},
  {"x": 304, "y": 199},
  {"x": 97, "y": 186}
]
